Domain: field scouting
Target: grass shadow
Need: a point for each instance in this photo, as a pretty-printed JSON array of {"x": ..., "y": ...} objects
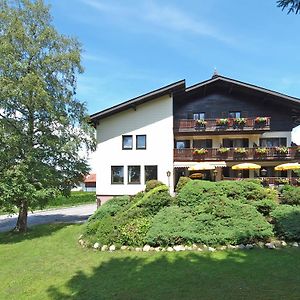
[
  {"x": 226, "y": 275},
  {"x": 33, "y": 232}
]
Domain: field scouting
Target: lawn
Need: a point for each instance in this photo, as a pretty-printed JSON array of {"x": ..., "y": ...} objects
[{"x": 47, "y": 263}]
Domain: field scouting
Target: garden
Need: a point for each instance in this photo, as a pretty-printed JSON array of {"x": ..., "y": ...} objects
[{"x": 201, "y": 214}]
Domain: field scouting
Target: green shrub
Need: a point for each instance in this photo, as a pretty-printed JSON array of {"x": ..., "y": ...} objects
[
  {"x": 73, "y": 199},
  {"x": 181, "y": 183},
  {"x": 287, "y": 222},
  {"x": 290, "y": 195},
  {"x": 212, "y": 222},
  {"x": 196, "y": 191},
  {"x": 151, "y": 184},
  {"x": 133, "y": 233},
  {"x": 110, "y": 208}
]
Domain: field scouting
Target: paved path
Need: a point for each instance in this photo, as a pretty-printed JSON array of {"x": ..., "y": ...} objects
[{"x": 69, "y": 215}]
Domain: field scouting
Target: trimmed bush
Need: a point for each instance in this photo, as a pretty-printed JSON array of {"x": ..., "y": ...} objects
[
  {"x": 181, "y": 183},
  {"x": 151, "y": 184},
  {"x": 290, "y": 195},
  {"x": 287, "y": 222},
  {"x": 73, "y": 199},
  {"x": 196, "y": 191},
  {"x": 212, "y": 222}
]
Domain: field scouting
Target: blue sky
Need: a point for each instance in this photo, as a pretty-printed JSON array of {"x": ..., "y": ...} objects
[{"x": 132, "y": 47}]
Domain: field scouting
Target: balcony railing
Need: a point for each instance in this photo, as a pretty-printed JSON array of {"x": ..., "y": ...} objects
[
  {"x": 234, "y": 154},
  {"x": 219, "y": 125}
]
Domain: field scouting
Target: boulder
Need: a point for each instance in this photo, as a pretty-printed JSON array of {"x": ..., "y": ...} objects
[
  {"x": 179, "y": 248},
  {"x": 146, "y": 248},
  {"x": 170, "y": 249},
  {"x": 241, "y": 246},
  {"x": 96, "y": 246},
  {"x": 295, "y": 244},
  {"x": 249, "y": 246},
  {"x": 283, "y": 244},
  {"x": 112, "y": 248},
  {"x": 104, "y": 248},
  {"x": 270, "y": 246},
  {"x": 124, "y": 247},
  {"x": 138, "y": 249},
  {"x": 211, "y": 249},
  {"x": 157, "y": 249}
]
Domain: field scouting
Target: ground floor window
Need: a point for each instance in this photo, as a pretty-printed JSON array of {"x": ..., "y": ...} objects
[
  {"x": 117, "y": 174},
  {"x": 150, "y": 173},
  {"x": 134, "y": 174}
]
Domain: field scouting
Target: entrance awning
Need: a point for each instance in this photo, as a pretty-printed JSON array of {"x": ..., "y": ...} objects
[{"x": 188, "y": 164}]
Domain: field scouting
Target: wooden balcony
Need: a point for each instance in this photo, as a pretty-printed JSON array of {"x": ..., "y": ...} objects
[
  {"x": 213, "y": 126},
  {"x": 213, "y": 154},
  {"x": 271, "y": 180}
]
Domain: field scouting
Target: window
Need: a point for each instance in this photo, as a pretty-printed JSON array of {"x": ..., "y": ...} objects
[
  {"x": 150, "y": 173},
  {"x": 202, "y": 143},
  {"x": 127, "y": 142},
  {"x": 230, "y": 143},
  {"x": 234, "y": 114},
  {"x": 117, "y": 174},
  {"x": 199, "y": 116},
  {"x": 141, "y": 142},
  {"x": 273, "y": 142},
  {"x": 183, "y": 144},
  {"x": 134, "y": 174}
]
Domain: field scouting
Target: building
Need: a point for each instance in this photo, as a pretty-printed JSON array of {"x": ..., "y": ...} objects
[
  {"x": 90, "y": 183},
  {"x": 221, "y": 121}
]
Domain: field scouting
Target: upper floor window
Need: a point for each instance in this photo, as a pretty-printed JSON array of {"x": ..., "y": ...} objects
[
  {"x": 141, "y": 142},
  {"x": 127, "y": 142},
  {"x": 230, "y": 143},
  {"x": 199, "y": 116},
  {"x": 182, "y": 144},
  {"x": 202, "y": 143},
  {"x": 117, "y": 174},
  {"x": 235, "y": 114}
]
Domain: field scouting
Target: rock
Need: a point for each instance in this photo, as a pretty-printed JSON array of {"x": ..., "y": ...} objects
[
  {"x": 260, "y": 245},
  {"x": 112, "y": 248},
  {"x": 188, "y": 248},
  {"x": 204, "y": 247},
  {"x": 80, "y": 237},
  {"x": 270, "y": 246},
  {"x": 249, "y": 246},
  {"x": 138, "y": 249},
  {"x": 211, "y": 249},
  {"x": 104, "y": 248},
  {"x": 283, "y": 244},
  {"x": 222, "y": 248},
  {"x": 157, "y": 249},
  {"x": 277, "y": 243},
  {"x": 179, "y": 248},
  {"x": 241, "y": 246},
  {"x": 231, "y": 247},
  {"x": 163, "y": 249},
  {"x": 199, "y": 249},
  {"x": 151, "y": 248},
  {"x": 295, "y": 244},
  {"x": 170, "y": 249},
  {"x": 124, "y": 247},
  {"x": 195, "y": 247},
  {"x": 81, "y": 242},
  {"x": 146, "y": 248},
  {"x": 96, "y": 246}
]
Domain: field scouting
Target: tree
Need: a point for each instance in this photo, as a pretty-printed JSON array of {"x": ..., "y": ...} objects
[
  {"x": 292, "y": 5},
  {"x": 42, "y": 124}
]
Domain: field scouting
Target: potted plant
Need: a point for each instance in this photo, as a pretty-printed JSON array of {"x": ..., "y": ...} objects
[
  {"x": 223, "y": 150},
  {"x": 240, "y": 151},
  {"x": 222, "y": 122},
  {"x": 260, "y": 121},
  {"x": 261, "y": 151},
  {"x": 239, "y": 122},
  {"x": 279, "y": 181},
  {"x": 201, "y": 123},
  {"x": 201, "y": 151},
  {"x": 282, "y": 150}
]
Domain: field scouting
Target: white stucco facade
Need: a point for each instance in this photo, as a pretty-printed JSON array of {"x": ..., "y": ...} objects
[{"x": 153, "y": 119}]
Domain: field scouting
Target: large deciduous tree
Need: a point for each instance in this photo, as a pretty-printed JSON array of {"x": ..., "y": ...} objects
[
  {"x": 292, "y": 5},
  {"x": 42, "y": 124}
]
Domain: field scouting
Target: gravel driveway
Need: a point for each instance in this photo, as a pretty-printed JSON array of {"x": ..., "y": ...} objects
[{"x": 69, "y": 215}]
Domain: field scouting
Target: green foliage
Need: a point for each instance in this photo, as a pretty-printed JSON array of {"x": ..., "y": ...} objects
[
  {"x": 212, "y": 222},
  {"x": 151, "y": 184},
  {"x": 287, "y": 222},
  {"x": 73, "y": 199},
  {"x": 290, "y": 195},
  {"x": 183, "y": 180},
  {"x": 196, "y": 191},
  {"x": 42, "y": 124}
]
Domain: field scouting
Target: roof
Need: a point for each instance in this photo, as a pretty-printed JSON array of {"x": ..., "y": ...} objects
[
  {"x": 179, "y": 86},
  {"x": 132, "y": 103},
  {"x": 90, "y": 178}
]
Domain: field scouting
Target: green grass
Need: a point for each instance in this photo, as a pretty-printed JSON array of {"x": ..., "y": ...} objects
[{"x": 47, "y": 263}]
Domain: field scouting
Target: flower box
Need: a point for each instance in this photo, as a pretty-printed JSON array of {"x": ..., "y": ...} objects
[
  {"x": 282, "y": 150},
  {"x": 201, "y": 123},
  {"x": 222, "y": 122},
  {"x": 261, "y": 151},
  {"x": 200, "y": 151},
  {"x": 261, "y": 120},
  {"x": 240, "y": 151},
  {"x": 223, "y": 150},
  {"x": 240, "y": 121}
]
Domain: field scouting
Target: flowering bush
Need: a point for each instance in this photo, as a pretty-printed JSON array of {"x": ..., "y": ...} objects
[
  {"x": 261, "y": 151},
  {"x": 222, "y": 122},
  {"x": 201, "y": 122},
  {"x": 261, "y": 120},
  {"x": 281, "y": 181},
  {"x": 240, "y": 121},
  {"x": 282, "y": 150},
  {"x": 200, "y": 151},
  {"x": 240, "y": 150},
  {"x": 223, "y": 150}
]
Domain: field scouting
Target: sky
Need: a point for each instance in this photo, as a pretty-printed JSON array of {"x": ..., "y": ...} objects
[{"x": 133, "y": 47}]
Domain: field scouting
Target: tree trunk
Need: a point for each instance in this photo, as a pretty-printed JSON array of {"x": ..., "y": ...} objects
[{"x": 22, "y": 218}]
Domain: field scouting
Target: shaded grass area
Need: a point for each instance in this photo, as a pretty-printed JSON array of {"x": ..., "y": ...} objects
[{"x": 47, "y": 263}]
